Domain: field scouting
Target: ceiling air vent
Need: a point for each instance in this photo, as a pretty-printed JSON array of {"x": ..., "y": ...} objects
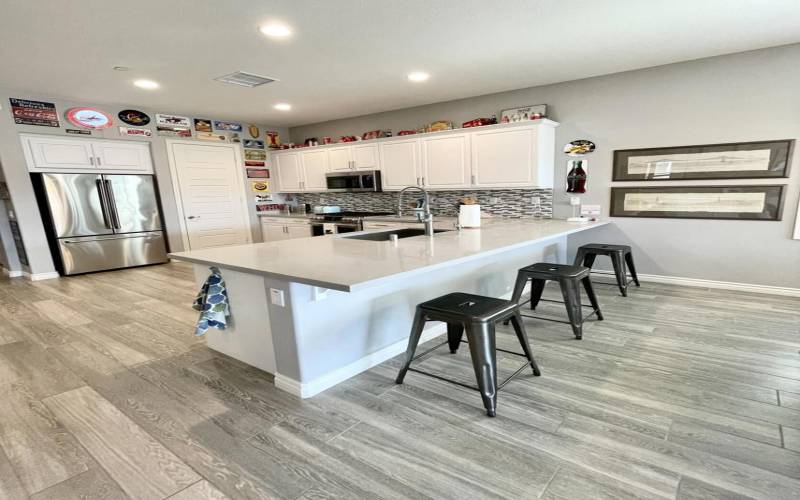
[{"x": 244, "y": 79}]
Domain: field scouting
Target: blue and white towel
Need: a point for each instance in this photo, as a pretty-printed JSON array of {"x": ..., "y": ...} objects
[{"x": 212, "y": 302}]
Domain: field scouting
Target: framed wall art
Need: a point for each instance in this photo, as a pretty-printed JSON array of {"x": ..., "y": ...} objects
[
  {"x": 740, "y": 160},
  {"x": 699, "y": 202}
]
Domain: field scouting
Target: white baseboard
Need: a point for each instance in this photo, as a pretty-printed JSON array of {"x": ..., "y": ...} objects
[
  {"x": 314, "y": 387},
  {"x": 40, "y": 276},
  {"x": 12, "y": 274},
  {"x": 721, "y": 285}
]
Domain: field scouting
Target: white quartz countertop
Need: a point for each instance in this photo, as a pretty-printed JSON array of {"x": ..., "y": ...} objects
[{"x": 349, "y": 265}]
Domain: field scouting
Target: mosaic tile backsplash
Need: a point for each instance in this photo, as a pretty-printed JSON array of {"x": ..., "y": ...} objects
[{"x": 500, "y": 203}]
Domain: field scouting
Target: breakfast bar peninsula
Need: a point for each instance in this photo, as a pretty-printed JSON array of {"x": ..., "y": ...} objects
[{"x": 317, "y": 311}]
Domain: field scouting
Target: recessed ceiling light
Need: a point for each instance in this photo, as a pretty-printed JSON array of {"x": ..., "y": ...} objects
[
  {"x": 282, "y": 106},
  {"x": 418, "y": 76},
  {"x": 146, "y": 84},
  {"x": 275, "y": 30}
]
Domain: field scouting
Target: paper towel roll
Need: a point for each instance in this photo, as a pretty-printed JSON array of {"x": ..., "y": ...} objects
[{"x": 469, "y": 216}]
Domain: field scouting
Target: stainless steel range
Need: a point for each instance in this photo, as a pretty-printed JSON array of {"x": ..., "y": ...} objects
[{"x": 340, "y": 222}]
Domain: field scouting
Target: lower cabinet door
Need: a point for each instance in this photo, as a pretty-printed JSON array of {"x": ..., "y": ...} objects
[
  {"x": 298, "y": 231},
  {"x": 274, "y": 232}
]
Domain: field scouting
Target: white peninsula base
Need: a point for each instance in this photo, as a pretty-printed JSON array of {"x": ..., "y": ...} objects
[{"x": 313, "y": 332}]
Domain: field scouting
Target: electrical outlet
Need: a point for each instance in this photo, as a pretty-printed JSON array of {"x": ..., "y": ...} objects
[{"x": 276, "y": 297}]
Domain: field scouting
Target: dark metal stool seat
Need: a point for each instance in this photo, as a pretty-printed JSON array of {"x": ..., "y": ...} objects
[
  {"x": 620, "y": 256},
  {"x": 569, "y": 279},
  {"x": 476, "y": 315}
]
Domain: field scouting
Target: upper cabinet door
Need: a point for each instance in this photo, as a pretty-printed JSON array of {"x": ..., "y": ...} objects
[
  {"x": 315, "y": 166},
  {"x": 340, "y": 158},
  {"x": 446, "y": 161},
  {"x": 400, "y": 164},
  {"x": 365, "y": 157},
  {"x": 122, "y": 155},
  {"x": 502, "y": 158},
  {"x": 288, "y": 167},
  {"x": 54, "y": 153}
]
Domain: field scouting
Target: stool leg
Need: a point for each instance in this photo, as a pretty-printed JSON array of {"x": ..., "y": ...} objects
[
  {"x": 587, "y": 285},
  {"x": 572, "y": 299},
  {"x": 537, "y": 288},
  {"x": 454, "y": 334},
  {"x": 631, "y": 267},
  {"x": 579, "y": 256},
  {"x": 619, "y": 271},
  {"x": 519, "y": 329},
  {"x": 484, "y": 360},
  {"x": 519, "y": 287},
  {"x": 588, "y": 261},
  {"x": 413, "y": 340}
]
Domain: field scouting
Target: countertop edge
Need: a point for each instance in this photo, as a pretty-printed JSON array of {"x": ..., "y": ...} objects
[{"x": 356, "y": 287}]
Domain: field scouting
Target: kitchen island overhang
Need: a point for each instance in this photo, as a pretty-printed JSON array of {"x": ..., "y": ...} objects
[{"x": 348, "y": 304}]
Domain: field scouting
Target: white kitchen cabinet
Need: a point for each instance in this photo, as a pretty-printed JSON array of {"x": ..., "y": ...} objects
[
  {"x": 47, "y": 153},
  {"x": 514, "y": 157},
  {"x": 365, "y": 157},
  {"x": 446, "y": 161},
  {"x": 315, "y": 166},
  {"x": 122, "y": 155},
  {"x": 277, "y": 229},
  {"x": 400, "y": 164},
  {"x": 288, "y": 167},
  {"x": 340, "y": 158}
]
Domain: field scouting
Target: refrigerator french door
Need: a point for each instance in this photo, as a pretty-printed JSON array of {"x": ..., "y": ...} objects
[{"x": 103, "y": 221}]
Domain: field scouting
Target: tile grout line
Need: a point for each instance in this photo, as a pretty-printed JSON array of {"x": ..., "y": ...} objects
[
  {"x": 549, "y": 481},
  {"x": 342, "y": 432},
  {"x": 202, "y": 478}
]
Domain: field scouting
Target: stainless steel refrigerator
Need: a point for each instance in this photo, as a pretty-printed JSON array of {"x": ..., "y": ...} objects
[{"x": 97, "y": 222}]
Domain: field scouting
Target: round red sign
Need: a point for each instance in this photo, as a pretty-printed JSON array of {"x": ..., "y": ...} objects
[{"x": 89, "y": 118}]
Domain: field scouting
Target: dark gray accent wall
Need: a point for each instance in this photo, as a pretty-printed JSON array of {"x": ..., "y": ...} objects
[{"x": 734, "y": 98}]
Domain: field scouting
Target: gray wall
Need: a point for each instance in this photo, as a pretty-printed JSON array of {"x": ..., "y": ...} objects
[
  {"x": 17, "y": 177},
  {"x": 740, "y": 97}
]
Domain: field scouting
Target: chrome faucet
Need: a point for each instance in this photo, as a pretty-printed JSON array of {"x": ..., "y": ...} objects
[{"x": 427, "y": 216}]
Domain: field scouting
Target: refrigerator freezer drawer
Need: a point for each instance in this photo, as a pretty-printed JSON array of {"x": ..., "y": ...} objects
[{"x": 99, "y": 253}]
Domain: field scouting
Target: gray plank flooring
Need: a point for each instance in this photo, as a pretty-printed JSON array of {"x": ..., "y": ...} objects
[{"x": 681, "y": 393}]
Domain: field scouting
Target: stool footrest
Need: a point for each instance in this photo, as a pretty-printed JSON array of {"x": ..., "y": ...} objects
[
  {"x": 474, "y": 388},
  {"x": 555, "y": 320}
]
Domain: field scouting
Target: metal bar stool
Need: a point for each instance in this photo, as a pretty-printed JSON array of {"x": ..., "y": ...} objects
[
  {"x": 620, "y": 256},
  {"x": 476, "y": 315},
  {"x": 569, "y": 279}
]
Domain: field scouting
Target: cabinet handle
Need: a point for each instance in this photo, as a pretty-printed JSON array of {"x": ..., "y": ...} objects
[
  {"x": 417, "y": 181},
  {"x": 98, "y": 161},
  {"x": 473, "y": 178},
  {"x": 423, "y": 181},
  {"x": 91, "y": 160}
]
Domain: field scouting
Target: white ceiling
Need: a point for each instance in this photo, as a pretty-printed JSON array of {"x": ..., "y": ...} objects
[{"x": 350, "y": 57}]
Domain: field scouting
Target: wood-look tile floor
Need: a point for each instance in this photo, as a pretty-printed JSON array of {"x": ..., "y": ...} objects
[{"x": 680, "y": 393}]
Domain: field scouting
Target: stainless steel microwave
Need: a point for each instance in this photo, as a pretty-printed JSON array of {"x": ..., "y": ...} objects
[{"x": 364, "y": 180}]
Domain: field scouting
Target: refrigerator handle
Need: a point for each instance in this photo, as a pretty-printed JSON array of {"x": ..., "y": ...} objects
[
  {"x": 112, "y": 204},
  {"x": 103, "y": 203}
]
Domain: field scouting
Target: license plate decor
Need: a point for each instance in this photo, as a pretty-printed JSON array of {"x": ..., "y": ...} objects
[
  {"x": 27, "y": 112},
  {"x": 173, "y": 121},
  {"x": 92, "y": 118}
]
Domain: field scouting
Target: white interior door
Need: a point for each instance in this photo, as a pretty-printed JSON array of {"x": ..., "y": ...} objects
[{"x": 211, "y": 194}]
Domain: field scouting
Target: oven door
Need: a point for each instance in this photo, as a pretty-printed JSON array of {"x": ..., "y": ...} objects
[{"x": 346, "y": 227}]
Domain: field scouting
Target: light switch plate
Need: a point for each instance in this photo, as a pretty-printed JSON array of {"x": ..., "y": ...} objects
[{"x": 276, "y": 297}]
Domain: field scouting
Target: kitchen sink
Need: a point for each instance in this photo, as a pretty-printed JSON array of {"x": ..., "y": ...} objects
[{"x": 386, "y": 235}]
